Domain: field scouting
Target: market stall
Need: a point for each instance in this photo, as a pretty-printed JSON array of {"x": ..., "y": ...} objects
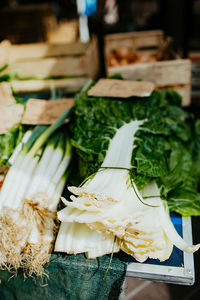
[{"x": 99, "y": 174}]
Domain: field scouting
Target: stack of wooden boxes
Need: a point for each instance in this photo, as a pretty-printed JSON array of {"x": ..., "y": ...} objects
[{"x": 174, "y": 73}]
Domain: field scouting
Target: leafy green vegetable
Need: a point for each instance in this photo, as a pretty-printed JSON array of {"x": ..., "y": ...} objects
[
  {"x": 167, "y": 147},
  {"x": 183, "y": 201},
  {"x": 195, "y": 149}
]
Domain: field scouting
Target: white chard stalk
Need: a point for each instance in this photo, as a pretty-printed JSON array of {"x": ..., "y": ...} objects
[
  {"x": 27, "y": 206},
  {"x": 110, "y": 205}
]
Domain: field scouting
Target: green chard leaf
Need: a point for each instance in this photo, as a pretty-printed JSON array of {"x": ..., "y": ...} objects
[{"x": 184, "y": 202}]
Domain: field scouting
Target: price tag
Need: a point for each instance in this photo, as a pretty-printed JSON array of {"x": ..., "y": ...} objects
[
  {"x": 10, "y": 116},
  {"x": 121, "y": 88},
  {"x": 45, "y": 112}
]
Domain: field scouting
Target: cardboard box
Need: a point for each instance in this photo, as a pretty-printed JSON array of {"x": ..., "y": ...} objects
[{"x": 174, "y": 73}]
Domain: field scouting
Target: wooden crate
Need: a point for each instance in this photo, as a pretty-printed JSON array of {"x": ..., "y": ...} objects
[
  {"x": 171, "y": 73},
  {"x": 66, "y": 66},
  {"x": 194, "y": 56}
]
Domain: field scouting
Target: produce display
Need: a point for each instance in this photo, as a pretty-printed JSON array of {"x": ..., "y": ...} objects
[
  {"x": 139, "y": 161},
  {"x": 135, "y": 160}
]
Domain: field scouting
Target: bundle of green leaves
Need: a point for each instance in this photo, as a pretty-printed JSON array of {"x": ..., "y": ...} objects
[{"x": 166, "y": 148}]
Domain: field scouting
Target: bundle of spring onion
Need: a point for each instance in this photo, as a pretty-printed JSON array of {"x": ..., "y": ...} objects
[
  {"x": 29, "y": 197},
  {"x": 139, "y": 157}
]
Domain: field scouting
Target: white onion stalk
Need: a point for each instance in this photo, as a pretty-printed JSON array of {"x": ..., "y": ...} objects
[
  {"x": 19, "y": 147},
  {"x": 27, "y": 212},
  {"x": 40, "y": 170},
  {"x": 52, "y": 167},
  {"x": 110, "y": 203},
  {"x": 22, "y": 183},
  {"x": 10, "y": 177}
]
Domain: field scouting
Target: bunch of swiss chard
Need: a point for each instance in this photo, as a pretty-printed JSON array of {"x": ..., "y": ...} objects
[
  {"x": 166, "y": 148},
  {"x": 139, "y": 158}
]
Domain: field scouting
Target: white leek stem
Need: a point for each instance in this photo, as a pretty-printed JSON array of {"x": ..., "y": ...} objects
[
  {"x": 40, "y": 171},
  {"x": 25, "y": 179},
  {"x": 19, "y": 147},
  {"x": 10, "y": 180},
  {"x": 61, "y": 169},
  {"x": 14, "y": 182},
  {"x": 58, "y": 175},
  {"x": 51, "y": 169},
  {"x": 56, "y": 193}
]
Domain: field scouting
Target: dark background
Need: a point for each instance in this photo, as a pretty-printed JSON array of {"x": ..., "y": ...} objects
[{"x": 179, "y": 19}]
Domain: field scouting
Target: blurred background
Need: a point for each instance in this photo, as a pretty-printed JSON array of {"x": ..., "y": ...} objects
[
  {"x": 26, "y": 21},
  {"x": 179, "y": 19}
]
